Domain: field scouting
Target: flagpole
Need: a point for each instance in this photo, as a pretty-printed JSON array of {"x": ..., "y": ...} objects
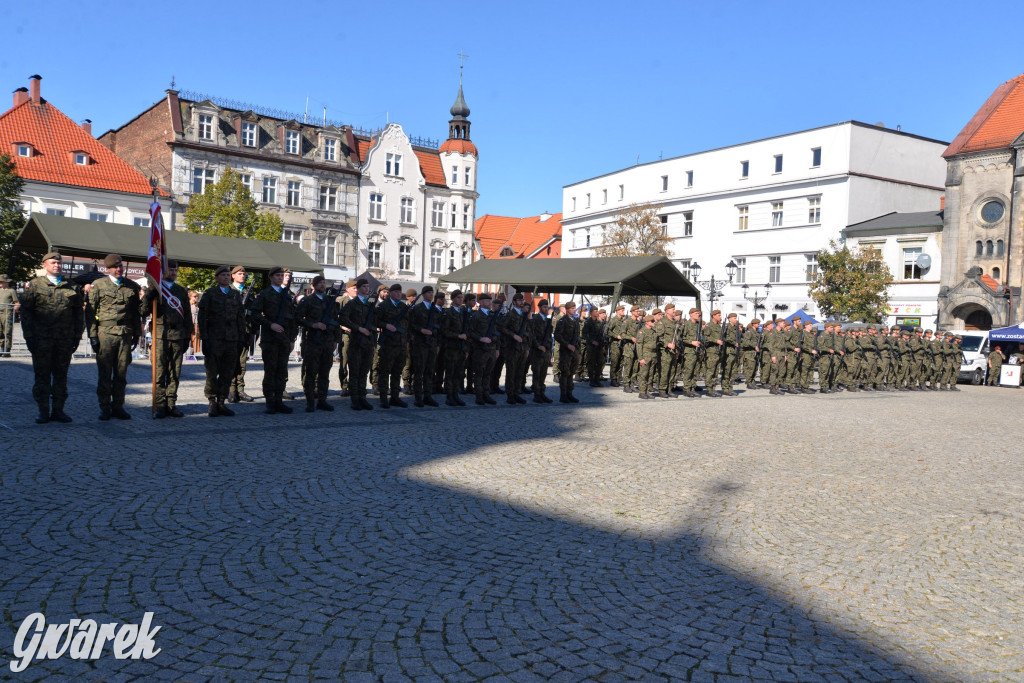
[{"x": 152, "y": 352}]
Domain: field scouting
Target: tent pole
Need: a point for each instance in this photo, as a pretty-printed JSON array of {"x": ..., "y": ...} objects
[{"x": 616, "y": 295}]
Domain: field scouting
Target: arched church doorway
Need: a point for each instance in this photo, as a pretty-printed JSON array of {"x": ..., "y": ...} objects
[{"x": 974, "y": 317}]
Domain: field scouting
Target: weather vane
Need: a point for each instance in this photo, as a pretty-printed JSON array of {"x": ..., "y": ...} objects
[{"x": 462, "y": 58}]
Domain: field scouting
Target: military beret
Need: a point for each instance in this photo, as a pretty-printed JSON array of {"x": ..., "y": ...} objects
[
  {"x": 949, "y": 335},
  {"x": 542, "y": 302},
  {"x": 273, "y": 271},
  {"x": 383, "y": 288},
  {"x": 456, "y": 292},
  {"x": 487, "y": 295},
  {"x": 656, "y": 311},
  {"x": 755, "y": 321},
  {"x": 353, "y": 283},
  {"x": 396, "y": 288},
  {"x": 570, "y": 304},
  {"x": 648, "y": 318},
  {"x": 620, "y": 307},
  {"x": 470, "y": 296},
  {"x": 927, "y": 331},
  {"x": 316, "y": 279},
  {"x": 408, "y": 292},
  {"x": 241, "y": 269},
  {"x": 222, "y": 269},
  {"x": 111, "y": 260},
  {"x": 172, "y": 263},
  {"x": 694, "y": 310},
  {"x": 797, "y": 318},
  {"x": 669, "y": 305},
  {"x": 716, "y": 312},
  {"x": 732, "y": 315},
  {"x": 518, "y": 296},
  {"x": 439, "y": 296},
  {"x": 808, "y": 322},
  {"x": 52, "y": 254},
  {"x": 426, "y": 288}
]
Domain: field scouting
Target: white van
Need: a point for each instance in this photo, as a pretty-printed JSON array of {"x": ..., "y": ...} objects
[{"x": 975, "y": 347}]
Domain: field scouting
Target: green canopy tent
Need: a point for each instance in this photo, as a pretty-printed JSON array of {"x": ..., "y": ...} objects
[
  {"x": 615, "y": 277},
  {"x": 77, "y": 237}
]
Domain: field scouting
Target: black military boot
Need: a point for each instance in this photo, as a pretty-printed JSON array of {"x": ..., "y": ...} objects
[
  {"x": 429, "y": 400},
  {"x": 233, "y": 396},
  {"x": 44, "y": 414},
  {"x": 172, "y": 411},
  {"x": 120, "y": 413},
  {"x": 572, "y": 399},
  {"x": 271, "y": 408},
  {"x": 365, "y": 404},
  {"x": 310, "y": 405},
  {"x": 323, "y": 405},
  {"x": 223, "y": 409},
  {"x": 57, "y": 413},
  {"x": 281, "y": 407},
  {"x": 160, "y": 413},
  {"x": 213, "y": 408},
  {"x": 562, "y": 396},
  {"x": 396, "y": 400}
]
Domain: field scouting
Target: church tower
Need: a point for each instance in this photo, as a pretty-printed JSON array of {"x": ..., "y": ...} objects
[{"x": 459, "y": 158}]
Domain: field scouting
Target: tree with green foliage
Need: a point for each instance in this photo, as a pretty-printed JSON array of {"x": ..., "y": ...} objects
[
  {"x": 852, "y": 284},
  {"x": 226, "y": 209},
  {"x": 12, "y": 220}
]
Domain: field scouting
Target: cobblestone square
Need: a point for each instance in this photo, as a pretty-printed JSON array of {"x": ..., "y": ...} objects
[{"x": 800, "y": 538}]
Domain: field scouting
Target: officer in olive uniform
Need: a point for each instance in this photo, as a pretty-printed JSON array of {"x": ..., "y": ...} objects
[
  {"x": 995, "y": 366},
  {"x": 691, "y": 337},
  {"x": 750, "y": 349},
  {"x": 172, "y": 333},
  {"x": 318, "y": 316},
  {"x": 237, "y": 392},
  {"x": 274, "y": 311},
  {"x": 713, "y": 342},
  {"x": 351, "y": 292},
  {"x": 8, "y": 306},
  {"x": 390, "y": 319},
  {"x": 592, "y": 337},
  {"x": 614, "y": 331},
  {"x": 454, "y": 324},
  {"x": 541, "y": 332},
  {"x": 51, "y": 321},
  {"x": 411, "y": 298},
  {"x": 115, "y": 328},
  {"x": 630, "y": 329},
  {"x": 515, "y": 334},
  {"x": 221, "y": 323},
  {"x": 567, "y": 334},
  {"x": 424, "y": 329},
  {"x": 730, "y": 353},
  {"x": 382, "y": 295},
  {"x": 647, "y": 344},
  {"x": 484, "y": 335},
  {"x": 357, "y": 316}
]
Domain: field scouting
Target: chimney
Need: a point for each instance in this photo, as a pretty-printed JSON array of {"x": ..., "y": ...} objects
[
  {"x": 942, "y": 203},
  {"x": 33, "y": 85},
  {"x": 87, "y": 126},
  {"x": 20, "y": 95}
]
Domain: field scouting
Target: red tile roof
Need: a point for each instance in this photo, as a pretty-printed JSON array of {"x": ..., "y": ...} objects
[
  {"x": 430, "y": 162},
  {"x": 522, "y": 235},
  {"x": 54, "y": 137},
  {"x": 997, "y": 124},
  {"x": 459, "y": 147},
  {"x": 990, "y": 281}
]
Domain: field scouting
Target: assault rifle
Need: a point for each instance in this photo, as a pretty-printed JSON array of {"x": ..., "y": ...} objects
[
  {"x": 326, "y": 318},
  {"x": 372, "y": 303},
  {"x": 395, "y": 323},
  {"x": 522, "y": 328},
  {"x": 466, "y": 315},
  {"x": 490, "y": 328},
  {"x": 702, "y": 353}
]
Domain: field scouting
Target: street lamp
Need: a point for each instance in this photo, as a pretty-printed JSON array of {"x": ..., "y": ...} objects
[
  {"x": 757, "y": 300},
  {"x": 714, "y": 287}
]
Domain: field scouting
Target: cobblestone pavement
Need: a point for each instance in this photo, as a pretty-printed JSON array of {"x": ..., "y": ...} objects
[{"x": 848, "y": 537}]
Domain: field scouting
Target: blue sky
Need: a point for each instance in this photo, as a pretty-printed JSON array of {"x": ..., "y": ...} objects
[{"x": 559, "y": 91}]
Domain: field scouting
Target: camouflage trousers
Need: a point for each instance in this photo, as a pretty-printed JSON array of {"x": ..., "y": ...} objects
[
  {"x": 729, "y": 359},
  {"x": 691, "y": 361},
  {"x": 275, "y": 368},
  {"x": 360, "y": 356},
  {"x": 646, "y": 374},
  {"x": 50, "y": 361},
  {"x": 539, "y": 363},
  {"x": 220, "y": 358},
  {"x": 483, "y": 365},
  {"x": 237, "y": 382},
  {"x": 423, "y": 357},
  {"x": 391, "y": 363},
  {"x": 629, "y": 364},
  {"x": 168, "y": 354},
  {"x": 317, "y": 358},
  {"x": 615, "y": 369},
  {"x": 713, "y": 368},
  {"x": 112, "y": 361}
]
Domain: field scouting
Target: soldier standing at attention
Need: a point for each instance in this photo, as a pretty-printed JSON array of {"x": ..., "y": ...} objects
[
  {"x": 357, "y": 316},
  {"x": 777, "y": 349},
  {"x": 115, "y": 329},
  {"x": 810, "y": 355},
  {"x": 382, "y": 296},
  {"x": 482, "y": 332},
  {"x": 237, "y": 392},
  {"x": 827, "y": 359},
  {"x": 424, "y": 324},
  {"x": 410, "y": 301},
  {"x": 630, "y": 328},
  {"x": 171, "y": 335},
  {"x": 393, "y": 342},
  {"x": 750, "y": 349},
  {"x": 730, "y": 351},
  {"x": 614, "y": 331},
  {"x": 714, "y": 343},
  {"x": 691, "y": 340},
  {"x": 767, "y": 366},
  {"x": 514, "y": 334},
  {"x": 592, "y": 338},
  {"x": 317, "y": 314},
  {"x": 647, "y": 348},
  {"x": 995, "y": 366},
  {"x": 453, "y": 345},
  {"x": 351, "y": 292},
  {"x": 665, "y": 326},
  {"x": 8, "y": 307},
  {"x": 568, "y": 337},
  {"x": 274, "y": 310},
  {"x": 51, "y": 321},
  {"x": 221, "y": 323},
  {"x": 852, "y": 355},
  {"x": 541, "y": 330}
]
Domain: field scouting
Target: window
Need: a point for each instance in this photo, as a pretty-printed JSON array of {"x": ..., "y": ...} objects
[
  {"x": 248, "y": 134},
  {"x": 999, "y": 247},
  {"x": 451, "y": 259},
  {"x": 506, "y": 251},
  {"x": 467, "y": 175},
  {"x": 689, "y": 178},
  {"x": 573, "y": 203},
  {"x": 436, "y": 260},
  {"x": 604, "y": 196},
  {"x": 325, "y": 249},
  {"x": 407, "y": 206},
  {"x": 246, "y": 179},
  {"x": 979, "y": 248},
  {"x": 774, "y": 269},
  {"x": 465, "y": 255},
  {"x": 687, "y": 223},
  {"x": 328, "y": 198},
  {"x": 455, "y": 175},
  {"x": 816, "y": 157},
  {"x": 622, "y": 192},
  {"x": 140, "y": 222},
  {"x": 814, "y": 210},
  {"x": 744, "y": 212},
  {"x": 812, "y": 266},
  {"x": 24, "y": 150},
  {"x": 465, "y": 216},
  {"x": 330, "y": 149},
  {"x": 291, "y": 236},
  {"x": 393, "y": 164},
  {"x": 586, "y": 234},
  {"x": 270, "y": 190},
  {"x": 455, "y": 214},
  {"x": 98, "y": 217},
  {"x": 405, "y": 257},
  {"x": 664, "y": 223},
  {"x": 988, "y": 248},
  {"x": 437, "y": 214},
  {"x": 376, "y": 206},
  {"x": 373, "y": 254},
  {"x": 778, "y": 163},
  {"x": 294, "y": 187},
  {"x": 63, "y": 212},
  {"x": 995, "y": 273},
  {"x": 664, "y": 183},
  {"x": 588, "y": 200},
  {"x": 776, "y": 214},
  {"x": 205, "y": 127},
  {"x": 291, "y": 142},
  {"x": 911, "y": 271},
  {"x": 81, "y": 158},
  {"x": 201, "y": 179},
  {"x": 741, "y": 269},
  {"x": 744, "y": 169}
]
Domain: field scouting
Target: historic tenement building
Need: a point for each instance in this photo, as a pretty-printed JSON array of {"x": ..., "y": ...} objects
[{"x": 983, "y": 233}]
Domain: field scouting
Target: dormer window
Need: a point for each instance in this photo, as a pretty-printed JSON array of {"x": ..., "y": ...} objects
[
  {"x": 24, "y": 150},
  {"x": 330, "y": 149},
  {"x": 291, "y": 142},
  {"x": 393, "y": 164},
  {"x": 81, "y": 159},
  {"x": 205, "y": 129},
  {"x": 248, "y": 134},
  {"x": 507, "y": 251}
]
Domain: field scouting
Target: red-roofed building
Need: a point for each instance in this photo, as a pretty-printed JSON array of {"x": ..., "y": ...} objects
[
  {"x": 505, "y": 237},
  {"x": 983, "y": 233},
  {"x": 67, "y": 172},
  {"x": 417, "y": 202}
]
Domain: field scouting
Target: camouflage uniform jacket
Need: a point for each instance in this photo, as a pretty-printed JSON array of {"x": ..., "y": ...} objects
[
  {"x": 52, "y": 310},
  {"x": 114, "y": 308}
]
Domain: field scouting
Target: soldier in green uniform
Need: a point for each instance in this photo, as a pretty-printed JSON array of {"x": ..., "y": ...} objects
[
  {"x": 484, "y": 334},
  {"x": 592, "y": 337},
  {"x": 715, "y": 344},
  {"x": 237, "y": 392},
  {"x": 884, "y": 359},
  {"x": 51, "y": 322},
  {"x": 852, "y": 356},
  {"x": 357, "y": 316},
  {"x": 424, "y": 326},
  {"x": 274, "y": 311},
  {"x": 691, "y": 337},
  {"x": 515, "y": 347},
  {"x": 567, "y": 334},
  {"x": 951, "y": 354},
  {"x": 454, "y": 333},
  {"x": 382, "y": 295},
  {"x": 958, "y": 356},
  {"x": 901, "y": 357},
  {"x": 410, "y": 300},
  {"x": 869, "y": 342},
  {"x": 730, "y": 352},
  {"x": 826, "y": 358},
  {"x": 318, "y": 316},
  {"x": 777, "y": 343},
  {"x": 541, "y": 331},
  {"x": 647, "y": 345},
  {"x": 221, "y": 323},
  {"x": 809, "y": 358},
  {"x": 750, "y": 349},
  {"x": 630, "y": 328},
  {"x": 614, "y": 331},
  {"x": 8, "y": 307},
  {"x": 768, "y": 368},
  {"x": 115, "y": 328},
  {"x": 172, "y": 332},
  {"x": 995, "y": 366},
  {"x": 936, "y": 361},
  {"x": 665, "y": 327},
  {"x": 392, "y": 344},
  {"x": 351, "y": 292}
]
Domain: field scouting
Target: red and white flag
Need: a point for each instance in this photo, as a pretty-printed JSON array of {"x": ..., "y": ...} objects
[{"x": 156, "y": 264}]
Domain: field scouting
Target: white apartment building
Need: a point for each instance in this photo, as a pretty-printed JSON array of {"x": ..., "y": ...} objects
[{"x": 766, "y": 206}]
